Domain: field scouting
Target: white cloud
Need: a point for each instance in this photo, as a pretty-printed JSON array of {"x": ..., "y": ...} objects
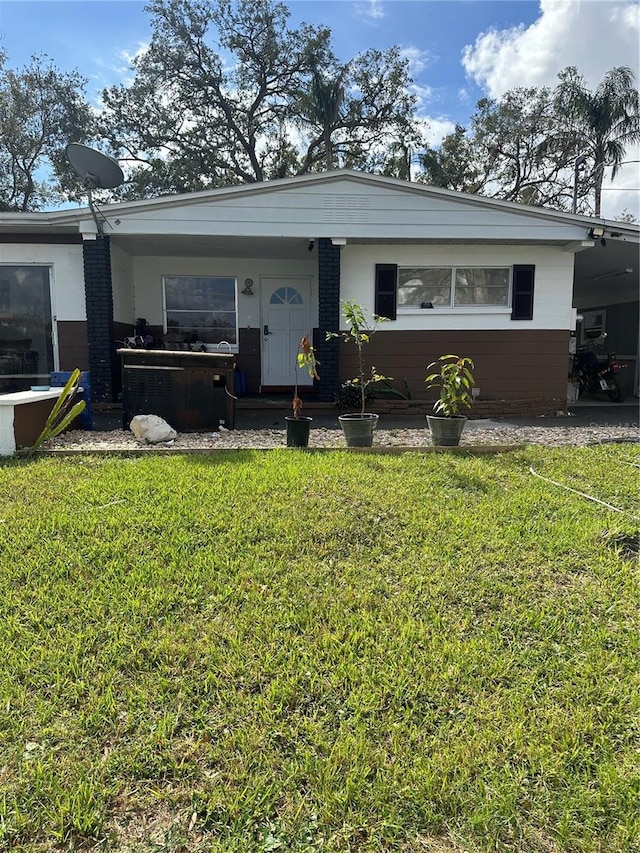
[
  {"x": 120, "y": 69},
  {"x": 423, "y": 94},
  {"x": 371, "y": 12},
  {"x": 624, "y": 190},
  {"x": 418, "y": 59},
  {"x": 594, "y": 35},
  {"x": 435, "y": 129},
  {"x": 129, "y": 57}
]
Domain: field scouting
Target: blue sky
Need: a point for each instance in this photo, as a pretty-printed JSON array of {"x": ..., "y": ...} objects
[
  {"x": 95, "y": 36},
  {"x": 459, "y": 50}
]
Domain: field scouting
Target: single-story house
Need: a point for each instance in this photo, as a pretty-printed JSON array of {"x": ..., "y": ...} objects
[{"x": 251, "y": 269}]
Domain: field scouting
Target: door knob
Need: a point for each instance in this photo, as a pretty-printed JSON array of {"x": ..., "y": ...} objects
[{"x": 266, "y": 330}]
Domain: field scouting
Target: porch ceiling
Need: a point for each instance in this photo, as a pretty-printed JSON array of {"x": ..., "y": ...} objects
[{"x": 593, "y": 282}]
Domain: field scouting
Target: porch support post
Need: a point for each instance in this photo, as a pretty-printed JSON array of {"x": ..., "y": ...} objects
[
  {"x": 103, "y": 364},
  {"x": 328, "y": 352}
]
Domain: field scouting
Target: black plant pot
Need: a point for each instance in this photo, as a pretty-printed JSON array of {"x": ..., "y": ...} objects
[
  {"x": 446, "y": 432},
  {"x": 298, "y": 431}
]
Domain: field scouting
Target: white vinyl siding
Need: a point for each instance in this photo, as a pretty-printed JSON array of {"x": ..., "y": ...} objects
[
  {"x": 340, "y": 205},
  {"x": 149, "y": 271},
  {"x": 553, "y": 294}
]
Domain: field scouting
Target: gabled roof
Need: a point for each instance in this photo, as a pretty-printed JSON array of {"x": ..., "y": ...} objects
[{"x": 348, "y": 188}]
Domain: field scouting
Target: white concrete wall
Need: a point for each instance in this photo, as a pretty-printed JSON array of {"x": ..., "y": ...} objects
[
  {"x": 137, "y": 282},
  {"x": 148, "y": 273},
  {"x": 122, "y": 284},
  {"x": 552, "y": 293},
  {"x": 67, "y": 275}
]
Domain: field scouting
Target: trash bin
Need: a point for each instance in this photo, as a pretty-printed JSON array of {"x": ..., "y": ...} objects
[{"x": 59, "y": 378}]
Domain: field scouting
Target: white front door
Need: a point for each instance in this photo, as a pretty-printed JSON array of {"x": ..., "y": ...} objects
[{"x": 286, "y": 318}]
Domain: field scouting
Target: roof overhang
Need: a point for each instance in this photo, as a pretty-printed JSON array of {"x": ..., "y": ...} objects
[{"x": 121, "y": 217}]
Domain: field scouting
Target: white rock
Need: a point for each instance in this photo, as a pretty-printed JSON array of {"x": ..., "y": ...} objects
[{"x": 152, "y": 429}]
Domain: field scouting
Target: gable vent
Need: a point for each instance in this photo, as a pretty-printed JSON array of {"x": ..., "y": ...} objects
[{"x": 345, "y": 208}]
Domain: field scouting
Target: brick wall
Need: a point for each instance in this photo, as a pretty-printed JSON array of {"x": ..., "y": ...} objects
[
  {"x": 515, "y": 408},
  {"x": 328, "y": 352},
  {"x": 103, "y": 363}
]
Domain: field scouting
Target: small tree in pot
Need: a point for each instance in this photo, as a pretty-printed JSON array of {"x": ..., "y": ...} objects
[
  {"x": 358, "y": 428},
  {"x": 298, "y": 427},
  {"x": 454, "y": 378}
]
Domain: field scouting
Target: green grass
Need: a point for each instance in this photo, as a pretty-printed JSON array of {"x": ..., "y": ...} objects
[{"x": 298, "y": 652}]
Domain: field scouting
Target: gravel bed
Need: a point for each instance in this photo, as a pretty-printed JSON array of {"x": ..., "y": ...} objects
[{"x": 476, "y": 433}]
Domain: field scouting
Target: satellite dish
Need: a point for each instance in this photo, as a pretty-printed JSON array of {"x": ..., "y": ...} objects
[{"x": 97, "y": 170}]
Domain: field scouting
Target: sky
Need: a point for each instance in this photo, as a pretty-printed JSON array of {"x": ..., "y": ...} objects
[{"x": 459, "y": 50}]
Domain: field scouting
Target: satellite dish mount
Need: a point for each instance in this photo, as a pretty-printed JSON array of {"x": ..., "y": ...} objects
[{"x": 98, "y": 172}]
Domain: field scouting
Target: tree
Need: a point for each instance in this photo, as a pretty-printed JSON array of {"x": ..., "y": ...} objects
[
  {"x": 362, "y": 116},
  {"x": 604, "y": 122},
  {"x": 226, "y": 93},
  {"x": 41, "y": 110},
  {"x": 380, "y": 121},
  {"x": 205, "y": 120},
  {"x": 524, "y": 146},
  {"x": 321, "y": 108},
  {"x": 626, "y": 216},
  {"x": 509, "y": 152},
  {"x": 455, "y": 164}
]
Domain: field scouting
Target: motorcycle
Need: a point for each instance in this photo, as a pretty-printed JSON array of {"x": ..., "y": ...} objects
[{"x": 593, "y": 376}]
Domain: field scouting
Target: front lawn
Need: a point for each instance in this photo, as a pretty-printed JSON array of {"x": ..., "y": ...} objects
[{"x": 282, "y": 651}]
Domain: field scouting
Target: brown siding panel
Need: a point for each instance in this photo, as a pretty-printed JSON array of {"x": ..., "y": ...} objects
[
  {"x": 29, "y": 420},
  {"x": 249, "y": 358},
  {"x": 126, "y": 330},
  {"x": 72, "y": 344},
  {"x": 509, "y": 365}
]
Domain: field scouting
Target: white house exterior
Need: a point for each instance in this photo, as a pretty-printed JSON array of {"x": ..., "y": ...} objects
[{"x": 259, "y": 266}]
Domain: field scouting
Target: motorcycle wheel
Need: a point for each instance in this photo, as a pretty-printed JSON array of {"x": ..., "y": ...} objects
[{"x": 614, "y": 393}]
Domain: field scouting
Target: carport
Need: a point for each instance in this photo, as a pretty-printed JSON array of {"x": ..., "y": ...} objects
[{"x": 606, "y": 294}]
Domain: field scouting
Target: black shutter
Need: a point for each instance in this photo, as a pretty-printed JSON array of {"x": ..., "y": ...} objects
[
  {"x": 386, "y": 290},
  {"x": 522, "y": 292}
]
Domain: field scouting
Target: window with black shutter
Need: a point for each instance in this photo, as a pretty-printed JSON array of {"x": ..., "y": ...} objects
[
  {"x": 522, "y": 296},
  {"x": 386, "y": 290}
]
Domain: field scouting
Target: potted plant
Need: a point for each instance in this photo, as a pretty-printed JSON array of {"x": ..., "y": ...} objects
[
  {"x": 358, "y": 428},
  {"x": 454, "y": 378},
  {"x": 298, "y": 427}
]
